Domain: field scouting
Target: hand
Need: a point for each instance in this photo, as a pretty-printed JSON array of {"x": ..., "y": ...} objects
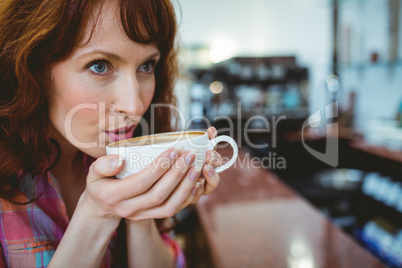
[
  {"x": 158, "y": 191},
  {"x": 211, "y": 178}
]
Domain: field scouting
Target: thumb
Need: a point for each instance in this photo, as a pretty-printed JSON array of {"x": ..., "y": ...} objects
[
  {"x": 212, "y": 133},
  {"x": 105, "y": 166}
]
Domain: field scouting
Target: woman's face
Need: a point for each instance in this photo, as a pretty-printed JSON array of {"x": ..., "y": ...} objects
[{"x": 103, "y": 88}]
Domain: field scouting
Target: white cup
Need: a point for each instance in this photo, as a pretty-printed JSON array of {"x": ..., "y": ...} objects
[{"x": 141, "y": 151}]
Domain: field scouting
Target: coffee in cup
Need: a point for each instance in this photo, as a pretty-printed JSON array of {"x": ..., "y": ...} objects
[{"x": 139, "y": 152}]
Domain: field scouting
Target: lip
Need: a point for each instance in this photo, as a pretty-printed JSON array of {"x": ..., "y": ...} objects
[{"x": 121, "y": 133}]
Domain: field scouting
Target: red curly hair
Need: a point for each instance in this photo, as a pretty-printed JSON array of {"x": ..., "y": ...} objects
[{"x": 36, "y": 34}]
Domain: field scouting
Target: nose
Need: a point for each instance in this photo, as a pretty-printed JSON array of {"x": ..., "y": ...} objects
[{"x": 128, "y": 99}]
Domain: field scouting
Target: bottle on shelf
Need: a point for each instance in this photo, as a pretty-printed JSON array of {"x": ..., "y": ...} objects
[{"x": 399, "y": 115}]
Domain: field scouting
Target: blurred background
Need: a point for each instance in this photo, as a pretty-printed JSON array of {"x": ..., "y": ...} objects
[{"x": 338, "y": 63}]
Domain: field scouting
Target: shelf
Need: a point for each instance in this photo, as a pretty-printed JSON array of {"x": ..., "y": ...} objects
[{"x": 368, "y": 65}]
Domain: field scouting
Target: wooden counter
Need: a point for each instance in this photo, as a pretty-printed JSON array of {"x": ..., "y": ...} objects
[
  {"x": 379, "y": 151},
  {"x": 254, "y": 220}
]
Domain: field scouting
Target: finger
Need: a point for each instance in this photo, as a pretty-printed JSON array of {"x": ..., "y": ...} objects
[
  {"x": 212, "y": 179},
  {"x": 212, "y": 133},
  {"x": 177, "y": 199},
  {"x": 174, "y": 177},
  {"x": 191, "y": 196},
  {"x": 104, "y": 167},
  {"x": 199, "y": 193},
  {"x": 194, "y": 193},
  {"x": 139, "y": 183},
  {"x": 214, "y": 158},
  {"x": 165, "y": 186}
]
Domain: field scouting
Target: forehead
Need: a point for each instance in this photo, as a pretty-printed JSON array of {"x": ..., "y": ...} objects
[
  {"x": 104, "y": 31},
  {"x": 104, "y": 23}
]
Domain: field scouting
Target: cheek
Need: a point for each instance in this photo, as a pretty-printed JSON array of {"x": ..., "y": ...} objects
[
  {"x": 74, "y": 110},
  {"x": 77, "y": 121},
  {"x": 148, "y": 99},
  {"x": 148, "y": 94},
  {"x": 72, "y": 95},
  {"x": 77, "y": 105}
]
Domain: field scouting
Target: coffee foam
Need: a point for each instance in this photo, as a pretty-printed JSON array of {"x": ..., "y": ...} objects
[{"x": 156, "y": 139}]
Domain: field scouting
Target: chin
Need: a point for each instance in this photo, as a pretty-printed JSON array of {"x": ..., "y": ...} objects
[{"x": 94, "y": 152}]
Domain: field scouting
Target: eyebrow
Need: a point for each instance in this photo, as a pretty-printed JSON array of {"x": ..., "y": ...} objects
[{"x": 113, "y": 56}]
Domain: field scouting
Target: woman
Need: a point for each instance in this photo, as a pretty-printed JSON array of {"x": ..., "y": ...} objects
[{"x": 76, "y": 75}]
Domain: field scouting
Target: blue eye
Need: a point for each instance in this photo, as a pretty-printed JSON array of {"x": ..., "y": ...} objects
[
  {"x": 99, "y": 68},
  {"x": 148, "y": 67}
]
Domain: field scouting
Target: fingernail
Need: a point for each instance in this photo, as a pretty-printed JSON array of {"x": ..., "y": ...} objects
[
  {"x": 194, "y": 175},
  {"x": 190, "y": 158},
  {"x": 214, "y": 157},
  {"x": 194, "y": 191},
  {"x": 116, "y": 162},
  {"x": 174, "y": 154},
  {"x": 213, "y": 131},
  {"x": 120, "y": 161},
  {"x": 202, "y": 184},
  {"x": 210, "y": 171},
  {"x": 198, "y": 165},
  {"x": 207, "y": 167}
]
